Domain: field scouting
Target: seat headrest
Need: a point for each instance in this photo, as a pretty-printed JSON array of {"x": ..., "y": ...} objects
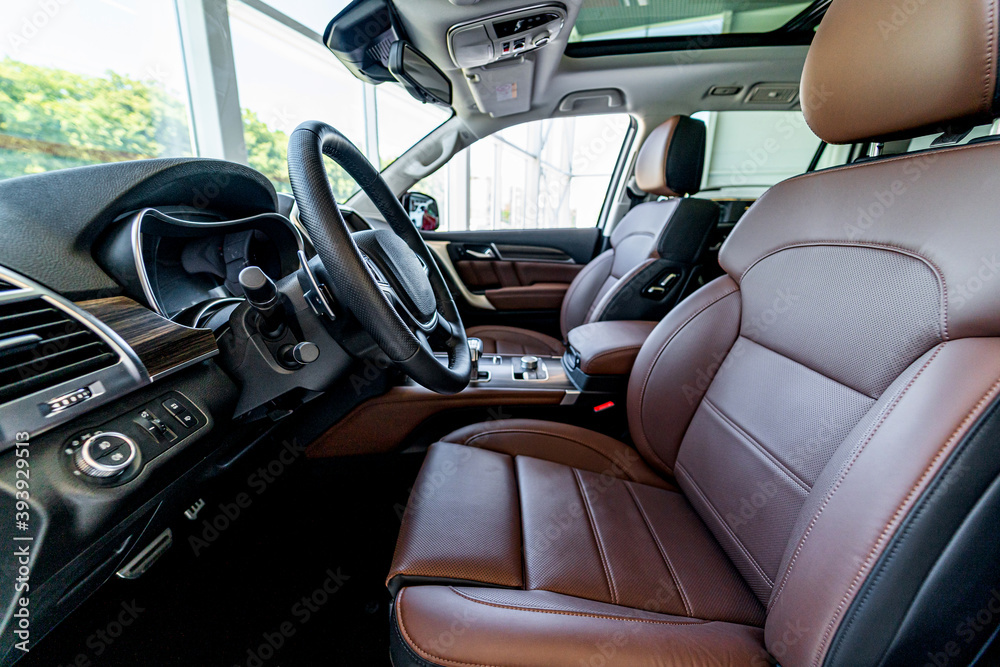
[
  {"x": 671, "y": 159},
  {"x": 880, "y": 70}
]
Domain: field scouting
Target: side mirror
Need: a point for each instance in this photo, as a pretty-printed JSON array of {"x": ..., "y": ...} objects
[
  {"x": 422, "y": 209},
  {"x": 419, "y": 76}
]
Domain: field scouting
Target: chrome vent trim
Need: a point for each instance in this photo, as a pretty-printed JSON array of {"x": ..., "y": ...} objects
[{"x": 81, "y": 357}]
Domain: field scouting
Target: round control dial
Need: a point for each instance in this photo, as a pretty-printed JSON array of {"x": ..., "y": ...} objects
[
  {"x": 105, "y": 455},
  {"x": 529, "y": 363}
]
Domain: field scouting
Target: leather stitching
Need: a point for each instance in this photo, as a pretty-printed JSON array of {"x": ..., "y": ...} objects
[
  {"x": 656, "y": 360},
  {"x": 663, "y": 552},
  {"x": 771, "y": 458},
  {"x": 843, "y": 475},
  {"x": 597, "y": 537},
  {"x": 603, "y": 617},
  {"x": 616, "y": 464},
  {"x": 421, "y": 652},
  {"x": 935, "y": 269},
  {"x": 900, "y": 511},
  {"x": 989, "y": 77},
  {"x": 739, "y": 544}
]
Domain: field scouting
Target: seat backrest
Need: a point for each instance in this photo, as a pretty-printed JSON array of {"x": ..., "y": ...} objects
[
  {"x": 816, "y": 402},
  {"x": 653, "y": 238}
]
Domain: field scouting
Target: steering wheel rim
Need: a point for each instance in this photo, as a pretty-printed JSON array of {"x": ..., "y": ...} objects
[{"x": 383, "y": 306}]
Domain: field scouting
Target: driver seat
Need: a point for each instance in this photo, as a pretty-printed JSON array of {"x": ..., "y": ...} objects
[
  {"x": 816, "y": 478},
  {"x": 651, "y": 238}
]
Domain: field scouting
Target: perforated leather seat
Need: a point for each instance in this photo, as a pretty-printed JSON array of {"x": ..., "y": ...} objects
[
  {"x": 816, "y": 478},
  {"x": 653, "y": 237}
]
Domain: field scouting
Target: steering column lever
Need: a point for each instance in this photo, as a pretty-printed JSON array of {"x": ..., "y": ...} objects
[{"x": 262, "y": 295}]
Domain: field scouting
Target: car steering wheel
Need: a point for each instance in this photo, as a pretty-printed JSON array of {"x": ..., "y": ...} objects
[{"x": 385, "y": 277}]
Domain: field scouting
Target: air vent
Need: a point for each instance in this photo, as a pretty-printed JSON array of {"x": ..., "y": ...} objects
[
  {"x": 6, "y": 286},
  {"x": 41, "y": 346}
]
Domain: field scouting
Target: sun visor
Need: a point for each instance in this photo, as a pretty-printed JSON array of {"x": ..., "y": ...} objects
[{"x": 503, "y": 88}]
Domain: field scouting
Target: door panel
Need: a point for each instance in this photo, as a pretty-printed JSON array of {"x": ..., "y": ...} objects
[{"x": 514, "y": 278}]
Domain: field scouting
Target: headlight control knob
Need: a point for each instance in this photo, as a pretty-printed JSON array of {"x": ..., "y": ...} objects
[{"x": 105, "y": 455}]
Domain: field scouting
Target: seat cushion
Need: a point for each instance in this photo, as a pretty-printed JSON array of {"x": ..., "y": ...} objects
[
  {"x": 485, "y": 517},
  {"x": 463, "y": 626},
  {"x": 511, "y": 340}
]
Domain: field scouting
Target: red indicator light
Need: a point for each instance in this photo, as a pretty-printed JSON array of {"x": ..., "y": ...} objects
[{"x": 604, "y": 406}]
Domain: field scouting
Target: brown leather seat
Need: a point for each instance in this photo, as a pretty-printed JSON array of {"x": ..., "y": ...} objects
[
  {"x": 650, "y": 237},
  {"x": 827, "y": 411}
]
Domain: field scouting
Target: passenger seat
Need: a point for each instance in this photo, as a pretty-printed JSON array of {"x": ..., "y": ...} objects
[{"x": 654, "y": 241}]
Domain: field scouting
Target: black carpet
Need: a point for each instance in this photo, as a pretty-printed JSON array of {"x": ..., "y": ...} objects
[{"x": 296, "y": 579}]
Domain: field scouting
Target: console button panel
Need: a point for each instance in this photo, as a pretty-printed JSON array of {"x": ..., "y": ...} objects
[{"x": 123, "y": 445}]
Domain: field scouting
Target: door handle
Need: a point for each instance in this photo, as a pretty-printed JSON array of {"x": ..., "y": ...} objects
[{"x": 488, "y": 254}]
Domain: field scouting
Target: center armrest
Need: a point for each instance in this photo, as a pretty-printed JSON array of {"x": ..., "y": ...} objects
[{"x": 604, "y": 349}]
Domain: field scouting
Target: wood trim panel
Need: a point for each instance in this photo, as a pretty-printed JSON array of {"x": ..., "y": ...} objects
[{"x": 161, "y": 345}]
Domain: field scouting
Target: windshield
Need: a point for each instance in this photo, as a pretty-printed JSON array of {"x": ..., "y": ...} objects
[{"x": 92, "y": 81}]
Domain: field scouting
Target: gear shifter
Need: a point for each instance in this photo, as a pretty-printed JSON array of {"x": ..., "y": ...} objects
[{"x": 475, "y": 351}]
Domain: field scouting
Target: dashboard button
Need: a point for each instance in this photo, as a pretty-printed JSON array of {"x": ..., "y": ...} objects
[
  {"x": 105, "y": 455},
  {"x": 180, "y": 413}
]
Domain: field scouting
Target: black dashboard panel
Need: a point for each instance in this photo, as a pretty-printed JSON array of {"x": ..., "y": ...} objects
[{"x": 49, "y": 222}]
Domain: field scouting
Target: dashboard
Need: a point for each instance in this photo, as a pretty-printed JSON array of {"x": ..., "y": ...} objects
[
  {"x": 176, "y": 259},
  {"x": 129, "y": 375}
]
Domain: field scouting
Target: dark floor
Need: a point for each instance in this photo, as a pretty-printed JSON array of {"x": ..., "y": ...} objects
[{"x": 257, "y": 595}]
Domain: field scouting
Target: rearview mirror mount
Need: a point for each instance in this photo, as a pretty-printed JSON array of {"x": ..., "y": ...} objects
[{"x": 422, "y": 78}]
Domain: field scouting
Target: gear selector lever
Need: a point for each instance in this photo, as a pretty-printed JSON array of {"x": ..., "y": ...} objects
[{"x": 475, "y": 352}]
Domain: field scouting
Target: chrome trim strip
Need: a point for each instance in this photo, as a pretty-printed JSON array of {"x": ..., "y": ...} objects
[{"x": 140, "y": 262}]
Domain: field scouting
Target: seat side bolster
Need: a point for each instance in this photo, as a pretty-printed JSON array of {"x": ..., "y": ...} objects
[
  {"x": 457, "y": 627},
  {"x": 462, "y": 521},
  {"x": 675, "y": 367},
  {"x": 583, "y": 291},
  {"x": 872, "y": 484}
]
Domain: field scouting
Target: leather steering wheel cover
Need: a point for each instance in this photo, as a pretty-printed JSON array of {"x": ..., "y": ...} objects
[{"x": 352, "y": 283}]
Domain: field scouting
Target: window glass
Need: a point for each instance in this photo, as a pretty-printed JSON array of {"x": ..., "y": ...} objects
[
  {"x": 283, "y": 79},
  {"x": 88, "y": 81},
  {"x": 544, "y": 174},
  {"x": 402, "y": 121},
  {"x": 313, "y": 14},
  {"x": 600, "y": 19},
  {"x": 752, "y": 150}
]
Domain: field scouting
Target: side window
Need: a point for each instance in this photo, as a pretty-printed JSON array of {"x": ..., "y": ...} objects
[
  {"x": 545, "y": 174},
  {"x": 749, "y": 151}
]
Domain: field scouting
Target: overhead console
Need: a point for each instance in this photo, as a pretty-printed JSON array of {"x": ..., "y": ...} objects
[{"x": 507, "y": 35}]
